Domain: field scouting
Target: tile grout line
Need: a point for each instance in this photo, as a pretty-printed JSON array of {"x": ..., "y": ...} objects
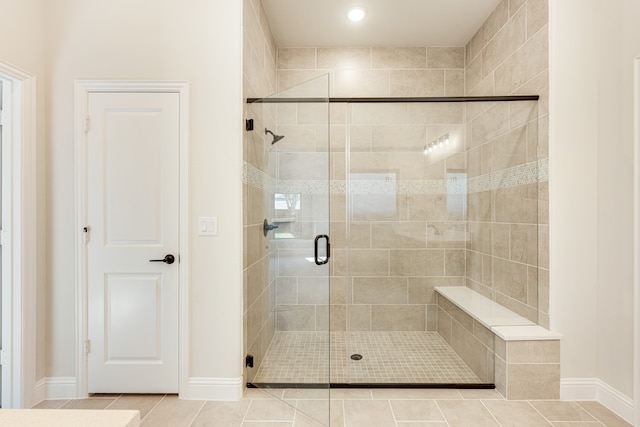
[
  {"x": 244, "y": 417},
  {"x": 441, "y": 412},
  {"x": 114, "y": 401},
  {"x": 204, "y": 402},
  {"x": 541, "y": 414},
  {"x": 393, "y": 414},
  {"x": 593, "y": 415},
  {"x": 567, "y": 421},
  {"x": 153, "y": 409},
  {"x": 490, "y": 413}
]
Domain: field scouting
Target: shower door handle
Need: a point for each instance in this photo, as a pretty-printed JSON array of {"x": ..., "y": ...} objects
[{"x": 315, "y": 249}]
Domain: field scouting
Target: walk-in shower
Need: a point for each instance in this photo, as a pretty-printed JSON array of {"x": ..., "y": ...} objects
[{"x": 415, "y": 193}]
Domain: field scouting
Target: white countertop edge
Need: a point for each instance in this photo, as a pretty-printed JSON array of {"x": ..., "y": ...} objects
[
  {"x": 480, "y": 305},
  {"x": 500, "y": 320},
  {"x": 525, "y": 333}
]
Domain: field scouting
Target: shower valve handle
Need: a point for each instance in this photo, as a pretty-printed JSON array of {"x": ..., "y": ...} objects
[{"x": 266, "y": 227}]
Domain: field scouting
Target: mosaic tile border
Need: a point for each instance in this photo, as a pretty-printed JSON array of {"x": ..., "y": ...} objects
[
  {"x": 528, "y": 173},
  {"x": 254, "y": 177}
]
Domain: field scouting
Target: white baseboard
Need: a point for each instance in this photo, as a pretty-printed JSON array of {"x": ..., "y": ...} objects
[
  {"x": 204, "y": 388},
  {"x": 39, "y": 391},
  {"x": 55, "y": 388},
  {"x": 595, "y": 389},
  {"x": 578, "y": 388}
]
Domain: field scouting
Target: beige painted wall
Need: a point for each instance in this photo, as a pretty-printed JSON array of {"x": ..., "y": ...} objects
[
  {"x": 199, "y": 42},
  {"x": 22, "y": 45},
  {"x": 619, "y": 46},
  {"x": 592, "y": 147}
]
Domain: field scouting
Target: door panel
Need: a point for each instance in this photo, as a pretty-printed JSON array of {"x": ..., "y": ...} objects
[
  {"x": 129, "y": 191},
  {"x": 133, "y": 300},
  {"x": 133, "y": 159}
]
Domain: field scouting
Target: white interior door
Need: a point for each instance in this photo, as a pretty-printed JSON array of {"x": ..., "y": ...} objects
[{"x": 133, "y": 217}]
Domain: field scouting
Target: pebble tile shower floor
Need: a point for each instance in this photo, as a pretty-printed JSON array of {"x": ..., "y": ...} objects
[{"x": 388, "y": 357}]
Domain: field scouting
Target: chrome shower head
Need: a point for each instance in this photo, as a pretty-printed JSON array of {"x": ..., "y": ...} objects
[{"x": 276, "y": 138}]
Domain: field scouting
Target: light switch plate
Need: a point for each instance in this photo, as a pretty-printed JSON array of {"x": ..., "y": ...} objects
[{"x": 208, "y": 226}]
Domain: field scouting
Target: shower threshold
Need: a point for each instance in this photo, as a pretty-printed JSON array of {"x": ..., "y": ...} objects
[
  {"x": 369, "y": 386},
  {"x": 415, "y": 359}
]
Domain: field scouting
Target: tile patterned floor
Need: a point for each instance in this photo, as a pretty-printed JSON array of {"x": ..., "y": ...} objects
[
  {"x": 388, "y": 357},
  {"x": 354, "y": 408}
]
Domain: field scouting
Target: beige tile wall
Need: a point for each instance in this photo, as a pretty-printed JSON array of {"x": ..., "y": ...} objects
[
  {"x": 259, "y": 79},
  {"x": 302, "y": 168},
  {"x": 473, "y": 342},
  {"x": 502, "y": 250},
  {"x": 403, "y": 246},
  {"x": 528, "y": 369},
  {"x": 507, "y": 257},
  {"x": 376, "y": 71},
  {"x": 400, "y": 246}
]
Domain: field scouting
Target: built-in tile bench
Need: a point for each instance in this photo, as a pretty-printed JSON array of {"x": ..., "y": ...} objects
[
  {"x": 68, "y": 418},
  {"x": 500, "y": 346}
]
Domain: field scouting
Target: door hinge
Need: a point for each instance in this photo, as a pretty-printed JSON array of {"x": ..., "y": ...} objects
[
  {"x": 3, "y": 238},
  {"x": 87, "y": 346},
  {"x": 2, "y": 120},
  {"x": 87, "y": 232},
  {"x": 3, "y": 357},
  {"x": 87, "y": 124}
]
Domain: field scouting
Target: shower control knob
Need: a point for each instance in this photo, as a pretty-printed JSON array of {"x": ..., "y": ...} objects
[{"x": 266, "y": 227}]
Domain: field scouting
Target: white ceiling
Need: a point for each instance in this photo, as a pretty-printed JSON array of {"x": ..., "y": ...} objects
[{"x": 322, "y": 23}]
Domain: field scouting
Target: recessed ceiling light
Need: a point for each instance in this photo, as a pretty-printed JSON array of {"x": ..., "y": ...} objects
[{"x": 356, "y": 14}]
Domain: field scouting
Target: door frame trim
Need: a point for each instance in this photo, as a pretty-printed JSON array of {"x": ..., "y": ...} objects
[
  {"x": 82, "y": 90},
  {"x": 19, "y": 282}
]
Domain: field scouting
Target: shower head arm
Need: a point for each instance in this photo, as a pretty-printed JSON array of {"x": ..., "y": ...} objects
[{"x": 276, "y": 138}]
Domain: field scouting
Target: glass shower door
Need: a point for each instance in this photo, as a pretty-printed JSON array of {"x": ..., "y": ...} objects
[{"x": 292, "y": 142}]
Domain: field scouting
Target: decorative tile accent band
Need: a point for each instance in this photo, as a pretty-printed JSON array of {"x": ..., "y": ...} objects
[
  {"x": 529, "y": 173},
  {"x": 256, "y": 178},
  {"x": 309, "y": 187}
]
